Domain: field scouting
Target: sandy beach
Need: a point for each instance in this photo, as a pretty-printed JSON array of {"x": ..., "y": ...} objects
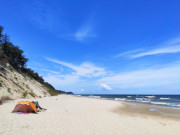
[{"x": 71, "y": 115}]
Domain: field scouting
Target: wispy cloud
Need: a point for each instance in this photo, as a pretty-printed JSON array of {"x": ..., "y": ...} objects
[
  {"x": 125, "y": 54},
  {"x": 50, "y": 71},
  {"x": 62, "y": 80},
  {"x": 78, "y": 75},
  {"x": 44, "y": 16},
  {"x": 172, "y": 46},
  {"x": 88, "y": 75},
  {"x": 105, "y": 86},
  {"x": 145, "y": 78},
  {"x": 41, "y": 15},
  {"x": 169, "y": 49},
  {"x": 82, "y": 90},
  {"x": 85, "y": 69},
  {"x": 84, "y": 32}
]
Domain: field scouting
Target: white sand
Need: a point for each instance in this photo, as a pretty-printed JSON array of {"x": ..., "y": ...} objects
[{"x": 69, "y": 115}]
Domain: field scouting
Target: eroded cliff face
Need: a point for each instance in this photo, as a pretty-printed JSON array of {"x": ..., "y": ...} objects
[{"x": 18, "y": 85}]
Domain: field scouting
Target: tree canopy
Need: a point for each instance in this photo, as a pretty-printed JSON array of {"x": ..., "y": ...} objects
[{"x": 14, "y": 55}]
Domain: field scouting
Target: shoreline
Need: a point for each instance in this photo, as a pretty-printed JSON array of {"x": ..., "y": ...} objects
[
  {"x": 138, "y": 109},
  {"x": 148, "y": 110},
  {"x": 157, "y": 100}
]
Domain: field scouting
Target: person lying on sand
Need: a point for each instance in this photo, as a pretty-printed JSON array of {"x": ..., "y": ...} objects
[{"x": 38, "y": 108}]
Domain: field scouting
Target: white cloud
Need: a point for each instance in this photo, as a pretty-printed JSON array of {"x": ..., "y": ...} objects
[
  {"x": 172, "y": 46},
  {"x": 105, "y": 86},
  {"x": 85, "y": 69},
  {"x": 82, "y": 90},
  {"x": 50, "y": 71},
  {"x": 145, "y": 78},
  {"x": 38, "y": 14},
  {"x": 61, "y": 80},
  {"x": 43, "y": 16},
  {"x": 83, "y": 34},
  {"x": 128, "y": 53},
  {"x": 169, "y": 49},
  {"x": 86, "y": 31}
]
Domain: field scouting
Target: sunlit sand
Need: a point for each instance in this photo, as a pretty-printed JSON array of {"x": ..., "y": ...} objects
[{"x": 70, "y": 115}]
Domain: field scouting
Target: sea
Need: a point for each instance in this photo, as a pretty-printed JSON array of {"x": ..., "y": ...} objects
[{"x": 172, "y": 101}]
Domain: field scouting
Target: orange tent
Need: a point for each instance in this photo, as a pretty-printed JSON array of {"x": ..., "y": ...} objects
[{"x": 26, "y": 107}]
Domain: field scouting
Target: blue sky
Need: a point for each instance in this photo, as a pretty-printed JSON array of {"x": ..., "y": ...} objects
[{"x": 99, "y": 46}]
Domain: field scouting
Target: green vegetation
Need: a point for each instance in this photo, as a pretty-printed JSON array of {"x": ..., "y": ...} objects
[
  {"x": 32, "y": 94},
  {"x": 53, "y": 92},
  {"x": 9, "y": 90},
  {"x": 14, "y": 55},
  {"x": 1, "y": 82},
  {"x": 25, "y": 94}
]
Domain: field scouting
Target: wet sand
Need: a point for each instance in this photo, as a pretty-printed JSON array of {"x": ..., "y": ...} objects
[{"x": 147, "y": 110}]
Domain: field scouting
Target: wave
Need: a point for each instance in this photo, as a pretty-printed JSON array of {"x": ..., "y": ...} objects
[
  {"x": 154, "y": 100},
  {"x": 178, "y": 105},
  {"x": 150, "y": 96},
  {"x": 165, "y": 98},
  {"x": 161, "y": 103},
  {"x": 94, "y": 96},
  {"x": 139, "y": 98},
  {"x": 120, "y": 99}
]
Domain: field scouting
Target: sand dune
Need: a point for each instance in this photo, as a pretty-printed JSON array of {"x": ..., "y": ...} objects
[{"x": 70, "y": 115}]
